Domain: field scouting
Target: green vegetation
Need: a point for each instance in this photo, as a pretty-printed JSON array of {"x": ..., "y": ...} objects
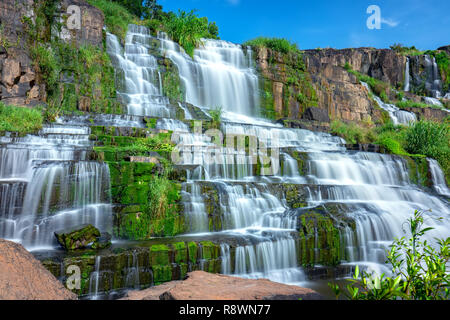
[
  {"x": 413, "y": 104},
  {"x": 91, "y": 85},
  {"x": 275, "y": 44},
  {"x": 187, "y": 29},
  {"x": 216, "y": 117},
  {"x": 406, "y": 51},
  {"x": 380, "y": 88},
  {"x": 432, "y": 140},
  {"x": 117, "y": 16},
  {"x": 420, "y": 271},
  {"x": 75, "y": 78},
  {"x": 352, "y": 132},
  {"x": 20, "y": 119}
]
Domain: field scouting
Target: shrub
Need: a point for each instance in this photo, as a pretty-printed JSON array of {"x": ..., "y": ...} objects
[
  {"x": 20, "y": 119},
  {"x": 432, "y": 140},
  {"x": 277, "y": 44},
  {"x": 187, "y": 29}
]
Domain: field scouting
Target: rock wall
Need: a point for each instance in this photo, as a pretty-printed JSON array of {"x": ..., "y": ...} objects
[
  {"x": 20, "y": 82},
  {"x": 381, "y": 64}
]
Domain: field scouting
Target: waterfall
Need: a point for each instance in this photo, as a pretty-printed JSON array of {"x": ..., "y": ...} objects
[
  {"x": 257, "y": 232},
  {"x": 219, "y": 75},
  {"x": 138, "y": 74},
  {"x": 397, "y": 116},
  {"x": 407, "y": 76},
  {"x": 47, "y": 184},
  {"x": 439, "y": 184},
  {"x": 433, "y": 82}
]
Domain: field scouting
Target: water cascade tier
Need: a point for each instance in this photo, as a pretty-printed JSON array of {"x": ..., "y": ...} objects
[{"x": 47, "y": 184}]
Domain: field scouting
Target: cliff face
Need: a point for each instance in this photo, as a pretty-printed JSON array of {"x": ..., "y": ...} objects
[
  {"x": 381, "y": 64},
  {"x": 339, "y": 92},
  {"x": 20, "y": 82},
  {"x": 329, "y": 86}
]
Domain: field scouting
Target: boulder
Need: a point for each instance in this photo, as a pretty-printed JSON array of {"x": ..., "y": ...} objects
[
  {"x": 22, "y": 277},
  {"x": 201, "y": 285},
  {"x": 77, "y": 238},
  {"x": 316, "y": 114}
]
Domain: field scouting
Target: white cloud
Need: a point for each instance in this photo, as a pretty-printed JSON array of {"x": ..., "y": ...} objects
[{"x": 389, "y": 22}]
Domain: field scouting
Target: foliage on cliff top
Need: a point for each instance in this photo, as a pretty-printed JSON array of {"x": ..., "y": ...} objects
[
  {"x": 20, "y": 119},
  {"x": 277, "y": 44},
  {"x": 406, "y": 51},
  {"x": 187, "y": 29}
]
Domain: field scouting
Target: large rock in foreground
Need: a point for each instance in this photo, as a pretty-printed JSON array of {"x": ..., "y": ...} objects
[
  {"x": 22, "y": 277},
  {"x": 201, "y": 285}
]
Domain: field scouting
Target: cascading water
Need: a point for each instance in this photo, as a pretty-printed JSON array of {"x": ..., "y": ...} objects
[
  {"x": 407, "y": 76},
  {"x": 140, "y": 84},
  {"x": 438, "y": 178},
  {"x": 47, "y": 184},
  {"x": 372, "y": 189},
  {"x": 219, "y": 75},
  {"x": 398, "y": 116}
]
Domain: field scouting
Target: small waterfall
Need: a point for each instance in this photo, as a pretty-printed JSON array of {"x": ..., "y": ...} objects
[
  {"x": 52, "y": 184},
  {"x": 220, "y": 75},
  {"x": 139, "y": 77},
  {"x": 433, "y": 82},
  {"x": 439, "y": 184},
  {"x": 407, "y": 76},
  {"x": 398, "y": 116},
  {"x": 94, "y": 280}
]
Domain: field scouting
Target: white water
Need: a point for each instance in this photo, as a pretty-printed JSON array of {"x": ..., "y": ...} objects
[
  {"x": 398, "y": 116},
  {"x": 407, "y": 76},
  {"x": 219, "y": 75},
  {"x": 138, "y": 73},
  {"x": 52, "y": 184},
  {"x": 376, "y": 189},
  {"x": 439, "y": 184}
]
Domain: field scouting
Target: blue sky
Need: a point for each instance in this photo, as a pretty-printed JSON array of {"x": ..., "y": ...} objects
[{"x": 322, "y": 23}]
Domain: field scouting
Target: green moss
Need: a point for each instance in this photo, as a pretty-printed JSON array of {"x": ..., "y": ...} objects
[
  {"x": 319, "y": 240},
  {"x": 159, "y": 255},
  {"x": 193, "y": 252},
  {"x": 162, "y": 273}
]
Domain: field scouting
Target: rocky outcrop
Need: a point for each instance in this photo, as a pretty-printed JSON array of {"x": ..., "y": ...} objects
[
  {"x": 205, "y": 286},
  {"x": 91, "y": 22},
  {"x": 22, "y": 277},
  {"x": 20, "y": 83},
  {"x": 381, "y": 64},
  {"x": 340, "y": 93}
]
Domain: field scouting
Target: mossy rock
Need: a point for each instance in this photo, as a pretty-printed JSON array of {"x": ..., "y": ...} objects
[{"x": 77, "y": 238}]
